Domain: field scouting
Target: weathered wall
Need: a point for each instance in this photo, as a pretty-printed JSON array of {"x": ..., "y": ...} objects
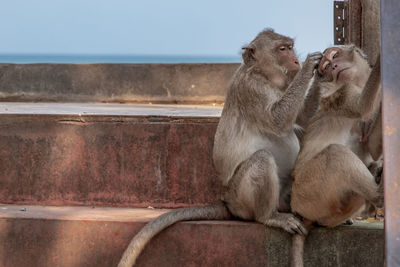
[
  {"x": 139, "y": 83},
  {"x": 107, "y": 160}
]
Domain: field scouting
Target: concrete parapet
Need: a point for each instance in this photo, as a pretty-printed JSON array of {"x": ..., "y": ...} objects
[
  {"x": 84, "y": 236},
  {"x": 127, "y": 83}
]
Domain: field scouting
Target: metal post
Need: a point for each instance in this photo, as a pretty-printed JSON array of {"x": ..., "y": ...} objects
[{"x": 390, "y": 56}]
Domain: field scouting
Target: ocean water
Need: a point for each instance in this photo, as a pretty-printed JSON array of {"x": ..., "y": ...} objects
[{"x": 72, "y": 58}]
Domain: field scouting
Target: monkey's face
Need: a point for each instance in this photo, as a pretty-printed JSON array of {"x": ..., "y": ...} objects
[
  {"x": 340, "y": 66},
  {"x": 336, "y": 65},
  {"x": 287, "y": 58}
]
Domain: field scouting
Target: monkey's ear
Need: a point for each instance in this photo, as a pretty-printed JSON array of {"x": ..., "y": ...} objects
[
  {"x": 361, "y": 53},
  {"x": 248, "y": 54}
]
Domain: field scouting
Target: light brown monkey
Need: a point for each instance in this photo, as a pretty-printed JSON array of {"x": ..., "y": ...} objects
[
  {"x": 330, "y": 182},
  {"x": 255, "y": 145}
]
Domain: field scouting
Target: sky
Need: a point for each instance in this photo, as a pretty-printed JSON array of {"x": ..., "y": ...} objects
[{"x": 159, "y": 27}]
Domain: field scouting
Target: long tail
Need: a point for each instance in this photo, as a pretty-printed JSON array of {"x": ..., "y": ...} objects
[
  {"x": 297, "y": 249},
  {"x": 212, "y": 212}
]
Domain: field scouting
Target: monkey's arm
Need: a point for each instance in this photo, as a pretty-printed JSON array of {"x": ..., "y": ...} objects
[
  {"x": 369, "y": 99},
  {"x": 284, "y": 112},
  {"x": 373, "y": 134},
  {"x": 311, "y": 104}
]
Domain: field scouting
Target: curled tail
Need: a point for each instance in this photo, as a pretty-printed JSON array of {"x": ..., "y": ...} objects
[
  {"x": 212, "y": 212},
  {"x": 297, "y": 248}
]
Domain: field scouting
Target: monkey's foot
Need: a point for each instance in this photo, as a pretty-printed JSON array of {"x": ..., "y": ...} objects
[{"x": 287, "y": 222}]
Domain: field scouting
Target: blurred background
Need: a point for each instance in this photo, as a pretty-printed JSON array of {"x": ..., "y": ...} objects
[{"x": 174, "y": 31}]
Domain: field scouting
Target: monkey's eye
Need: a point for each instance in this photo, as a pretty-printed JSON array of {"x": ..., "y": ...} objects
[
  {"x": 325, "y": 65},
  {"x": 290, "y": 47},
  {"x": 282, "y": 47},
  {"x": 335, "y": 55}
]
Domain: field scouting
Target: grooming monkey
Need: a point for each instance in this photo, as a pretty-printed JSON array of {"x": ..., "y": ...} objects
[
  {"x": 255, "y": 145},
  {"x": 330, "y": 182}
]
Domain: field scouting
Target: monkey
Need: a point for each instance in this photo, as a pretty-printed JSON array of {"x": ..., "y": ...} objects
[
  {"x": 330, "y": 182},
  {"x": 255, "y": 145}
]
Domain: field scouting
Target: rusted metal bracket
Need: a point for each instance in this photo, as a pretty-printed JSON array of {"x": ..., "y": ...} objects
[
  {"x": 390, "y": 57},
  {"x": 347, "y": 22},
  {"x": 340, "y": 22}
]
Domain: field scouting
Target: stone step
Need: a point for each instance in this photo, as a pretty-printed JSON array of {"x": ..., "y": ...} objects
[
  {"x": 107, "y": 154},
  {"x": 127, "y": 83},
  {"x": 84, "y": 236}
]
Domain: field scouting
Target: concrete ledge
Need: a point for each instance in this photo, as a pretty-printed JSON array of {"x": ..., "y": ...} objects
[
  {"x": 361, "y": 244},
  {"x": 132, "y": 110},
  {"x": 79, "y": 236},
  {"x": 137, "y": 83},
  {"x": 162, "y": 160}
]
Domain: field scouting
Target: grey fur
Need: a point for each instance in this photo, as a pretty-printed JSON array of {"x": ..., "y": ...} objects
[{"x": 255, "y": 144}]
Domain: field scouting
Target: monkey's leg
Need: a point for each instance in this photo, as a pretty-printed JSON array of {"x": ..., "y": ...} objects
[
  {"x": 253, "y": 194},
  {"x": 333, "y": 186},
  {"x": 355, "y": 175},
  {"x": 376, "y": 169}
]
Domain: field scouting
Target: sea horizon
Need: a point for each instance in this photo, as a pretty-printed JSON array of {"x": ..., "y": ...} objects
[{"x": 114, "y": 58}]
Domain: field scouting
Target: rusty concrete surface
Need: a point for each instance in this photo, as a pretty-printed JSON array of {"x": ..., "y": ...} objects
[
  {"x": 125, "y": 161},
  {"x": 161, "y": 83},
  {"x": 57, "y": 238},
  {"x": 82, "y": 236}
]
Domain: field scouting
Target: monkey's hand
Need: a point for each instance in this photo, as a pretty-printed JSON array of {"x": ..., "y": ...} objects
[{"x": 311, "y": 64}]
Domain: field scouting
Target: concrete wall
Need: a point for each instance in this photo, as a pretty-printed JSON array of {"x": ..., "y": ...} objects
[{"x": 138, "y": 83}]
